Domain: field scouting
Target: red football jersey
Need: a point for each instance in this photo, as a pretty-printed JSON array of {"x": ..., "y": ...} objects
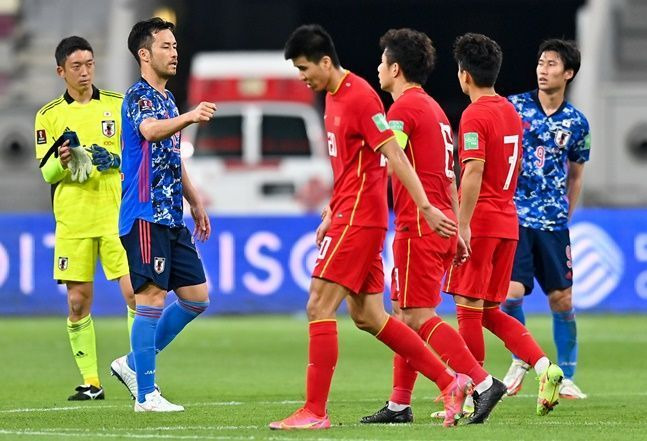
[
  {"x": 430, "y": 150},
  {"x": 356, "y": 127},
  {"x": 490, "y": 130}
]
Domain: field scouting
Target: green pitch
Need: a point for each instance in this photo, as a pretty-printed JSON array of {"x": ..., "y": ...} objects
[{"x": 234, "y": 375}]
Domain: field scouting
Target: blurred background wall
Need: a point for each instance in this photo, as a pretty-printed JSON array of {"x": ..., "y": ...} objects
[{"x": 611, "y": 87}]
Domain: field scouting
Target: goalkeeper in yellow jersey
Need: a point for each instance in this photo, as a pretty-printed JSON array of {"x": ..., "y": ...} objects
[{"x": 77, "y": 139}]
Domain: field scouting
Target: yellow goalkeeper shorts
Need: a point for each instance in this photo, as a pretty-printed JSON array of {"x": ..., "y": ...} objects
[{"x": 75, "y": 260}]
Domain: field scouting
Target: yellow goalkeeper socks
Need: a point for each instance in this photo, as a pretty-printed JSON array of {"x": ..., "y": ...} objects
[
  {"x": 84, "y": 349},
  {"x": 131, "y": 318}
]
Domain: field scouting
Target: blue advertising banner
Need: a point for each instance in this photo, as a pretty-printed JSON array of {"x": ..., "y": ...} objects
[{"x": 263, "y": 264}]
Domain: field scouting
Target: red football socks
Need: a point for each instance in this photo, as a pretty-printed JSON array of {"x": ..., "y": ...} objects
[
  {"x": 404, "y": 377},
  {"x": 322, "y": 358},
  {"x": 470, "y": 327},
  {"x": 514, "y": 335},
  {"x": 451, "y": 348},
  {"x": 404, "y": 341}
]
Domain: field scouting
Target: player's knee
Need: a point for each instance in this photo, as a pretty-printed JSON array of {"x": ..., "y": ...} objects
[
  {"x": 516, "y": 290},
  {"x": 151, "y": 297},
  {"x": 79, "y": 304},
  {"x": 412, "y": 321},
  {"x": 561, "y": 300},
  {"x": 317, "y": 309},
  {"x": 366, "y": 321}
]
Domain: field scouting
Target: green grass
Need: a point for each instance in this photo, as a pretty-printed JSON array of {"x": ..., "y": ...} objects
[{"x": 236, "y": 374}]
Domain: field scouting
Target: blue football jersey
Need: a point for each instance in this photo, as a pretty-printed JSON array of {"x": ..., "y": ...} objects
[
  {"x": 549, "y": 143},
  {"x": 152, "y": 181}
]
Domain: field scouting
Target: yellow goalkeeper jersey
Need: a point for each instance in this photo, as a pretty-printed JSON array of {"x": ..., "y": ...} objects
[{"x": 91, "y": 208}]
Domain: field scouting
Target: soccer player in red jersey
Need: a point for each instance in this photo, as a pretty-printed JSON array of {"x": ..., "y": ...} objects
[
  {"x": 351, "y": 234},
  {"x": 421, "y": 257},
  {"x": 490, "y": 135}
]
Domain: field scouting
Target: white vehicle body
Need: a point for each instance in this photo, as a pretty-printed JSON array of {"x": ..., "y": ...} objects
[{"x": 264, "y": 150}]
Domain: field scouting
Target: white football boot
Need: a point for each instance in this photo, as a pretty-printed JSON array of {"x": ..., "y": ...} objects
[
  {"x": 155, "y": 402},
  {"x": 513, "y": 379}
]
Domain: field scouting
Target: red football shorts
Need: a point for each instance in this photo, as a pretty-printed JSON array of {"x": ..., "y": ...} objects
[
  {"x": 351, "y": 257},
  {"x": 486, "y": 274},
  {"x": 420, "y": 263}
]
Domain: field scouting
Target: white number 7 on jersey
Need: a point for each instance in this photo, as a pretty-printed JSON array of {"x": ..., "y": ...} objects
[{"x": 512, "y": 139}]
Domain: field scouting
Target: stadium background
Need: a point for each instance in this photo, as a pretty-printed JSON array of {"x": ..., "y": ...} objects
[
  {"x": 243, "y": 368},
  {"x": 263, "y": 266}
]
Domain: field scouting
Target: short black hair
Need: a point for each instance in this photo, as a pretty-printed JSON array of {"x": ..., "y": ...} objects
[
  {"x": 311, "y": 41},
  {"x": 142, "y": 34},
  {"x": 68, "y": 46},
  {"x": 480, "y": 56},
  {"x": 567, "y": 51},
  {"x": 412, "y": 50}
]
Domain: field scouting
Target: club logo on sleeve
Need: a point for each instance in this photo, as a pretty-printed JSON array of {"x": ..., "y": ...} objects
[
  {"x": 471, "y": 141},
  {"x": 158, "y": 264},
  {"x": 562, "y": 137},
  {"x": 41, "y": 136},
  {"x": 108, "y": 128},
  {"x": 587, "y": 142},
  {"x": 63, "y": 263},
  {"x": 396, "y": 125},
  {"x": 145, "y": 104},
  {"x": 380, "y": 122}
]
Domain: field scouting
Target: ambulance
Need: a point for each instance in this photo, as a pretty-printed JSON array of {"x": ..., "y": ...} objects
[{"x": 264, "y": 151}]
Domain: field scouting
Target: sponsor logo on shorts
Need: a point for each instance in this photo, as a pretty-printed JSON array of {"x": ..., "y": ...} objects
[
  {"x": 158, "y": 264},
  {"x": 41, "y": 136},
  {"x": 63, "y": 263}
]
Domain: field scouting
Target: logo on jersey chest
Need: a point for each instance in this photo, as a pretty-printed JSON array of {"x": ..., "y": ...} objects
[
  {"x": 562, "y": 137},
  {"x": 108, "y": 127}
]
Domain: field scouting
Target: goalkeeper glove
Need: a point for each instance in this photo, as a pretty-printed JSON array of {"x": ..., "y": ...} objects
[
  {"x": 103, "y": 159},
  {"x": 80, "y": 165}
]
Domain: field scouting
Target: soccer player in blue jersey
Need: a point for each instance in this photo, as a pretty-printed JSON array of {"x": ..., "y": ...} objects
[
  {"x": 556, "y": 144},
  {"x": 160, "y": 248}
]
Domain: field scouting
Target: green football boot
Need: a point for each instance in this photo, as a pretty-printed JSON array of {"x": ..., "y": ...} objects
[{"x": 549, "y": 383}]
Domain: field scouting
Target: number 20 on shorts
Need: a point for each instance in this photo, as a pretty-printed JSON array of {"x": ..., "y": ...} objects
[{"x": 323, "y": 248}]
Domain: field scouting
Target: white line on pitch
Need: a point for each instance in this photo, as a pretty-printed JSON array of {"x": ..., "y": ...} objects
[
  {"x": 124, "y": 434},
  {"x": 265, "y": 402}
]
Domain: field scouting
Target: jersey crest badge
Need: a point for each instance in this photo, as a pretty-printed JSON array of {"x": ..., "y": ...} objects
[
  {"x": 158, "y": 265},
  {"x": 41, "y": 136},
  {"x": 562, "y": 137},
  {"x": 62, "y": 263},
  {"x": 108, "y": 127}
]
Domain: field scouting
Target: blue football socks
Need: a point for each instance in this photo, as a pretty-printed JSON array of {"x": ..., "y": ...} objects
[
  {"x": 175, "y": 317},
  {"x": 143, "y": 344},
  {"x": 565, "y": 336}
]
